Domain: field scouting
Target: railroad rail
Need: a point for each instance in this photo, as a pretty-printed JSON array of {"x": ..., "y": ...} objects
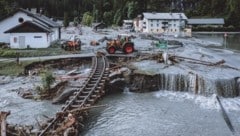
[{"x": 85, "y": 96}]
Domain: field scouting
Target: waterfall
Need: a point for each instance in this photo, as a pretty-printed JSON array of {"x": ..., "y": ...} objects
[{"x": 197, "y": 84}]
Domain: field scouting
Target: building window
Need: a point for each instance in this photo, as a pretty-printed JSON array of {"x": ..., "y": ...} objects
[
  {"x": 37, "y": 36},
  {"x": 151, "y": 30},
  {"x": 151, "y": 25},
  {"x": 20, "y": 20},
  {"x": 157, "y": 25},
  {"x": 15, "y": 39}
]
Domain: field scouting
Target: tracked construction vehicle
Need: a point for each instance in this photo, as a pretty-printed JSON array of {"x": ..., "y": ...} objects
[{"x": 122, "y": 43}]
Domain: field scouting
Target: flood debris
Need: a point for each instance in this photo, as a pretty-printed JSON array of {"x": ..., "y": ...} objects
[
  {"x": 3, "y": 118},
  {"x": 26, "y": 94},
  {"x": 196, "y": 61},
  {"x": 178, "y": 59},
  {"x": 67, "y": 126},
  {"x": 94, "y": 43}
]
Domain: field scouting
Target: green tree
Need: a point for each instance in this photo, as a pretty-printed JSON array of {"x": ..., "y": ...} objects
[
  {"x": 233, "y": 17},
  {"x": 127, "y": 9},
  {"x": 118, "y": 17},
  {"x": 6, "y": 7},
  {"x": 47, "y": 80},
  {"x": 66, "y": 19},
  {"x": 107, "y": 18},
  {"x": 133, "y": 10},
  {"x": 87, "y": 19}
]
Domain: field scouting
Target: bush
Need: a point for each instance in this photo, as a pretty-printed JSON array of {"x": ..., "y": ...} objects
[
  {"x": 87, "y": 19},
  {"x": 47, "y": 80}
]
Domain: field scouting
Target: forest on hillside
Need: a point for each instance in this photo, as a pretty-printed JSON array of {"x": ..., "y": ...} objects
[{"x": 114, "y": 11}]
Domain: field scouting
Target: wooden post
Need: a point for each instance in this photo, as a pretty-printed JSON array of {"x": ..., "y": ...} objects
[
  {"x": 3, "y": 117},
  {"x": 17, "y": 57},
  {"x": 225, "y": 40}
]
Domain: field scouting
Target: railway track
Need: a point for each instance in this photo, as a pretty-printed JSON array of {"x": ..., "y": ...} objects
[{"x": 84, "y": 97}]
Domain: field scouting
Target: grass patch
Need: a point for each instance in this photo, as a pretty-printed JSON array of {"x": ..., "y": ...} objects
[
  {"x": 12, "y": 68},
  {"x": 12, "y": 53}
]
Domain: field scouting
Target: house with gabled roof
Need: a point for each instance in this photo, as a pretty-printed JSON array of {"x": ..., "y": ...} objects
[
  {"x": 22, "y": 29},
  {"x": 171, "y": 23}
]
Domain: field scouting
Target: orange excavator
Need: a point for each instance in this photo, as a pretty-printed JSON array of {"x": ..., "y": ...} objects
[{"x": 72, "y": 45}]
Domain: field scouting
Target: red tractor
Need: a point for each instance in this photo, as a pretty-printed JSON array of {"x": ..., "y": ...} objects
[{"x": 123, "y": 43}]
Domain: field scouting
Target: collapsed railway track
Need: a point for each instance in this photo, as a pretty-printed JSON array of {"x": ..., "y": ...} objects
[{"x": 85, "y": 96}]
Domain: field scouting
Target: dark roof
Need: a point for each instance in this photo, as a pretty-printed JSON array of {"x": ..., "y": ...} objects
[
  {"x": 98, "y": 24},
  {"x": 28, "y": 26},
  {"x": 206, "y": 21},
  {"x": 43, "y": 19}
]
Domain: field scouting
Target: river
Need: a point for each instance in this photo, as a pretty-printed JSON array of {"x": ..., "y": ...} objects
[
  {"x": 160, "y": 113},
  {"x": 231, "y": 41}
]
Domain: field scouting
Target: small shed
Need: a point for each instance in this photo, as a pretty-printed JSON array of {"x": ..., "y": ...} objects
[
  {"x": 127, "y": 24},
  {"x": 29, "y": 34},
  {"x": 205, "y": 22},
  {"x": 100, "y": 25}
]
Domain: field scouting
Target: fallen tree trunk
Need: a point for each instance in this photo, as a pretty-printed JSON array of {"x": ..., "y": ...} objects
[
  {"x": 3, "y": 117},
  {"x": 196, "y": 61},
  {"x": 209, "y": 63}
]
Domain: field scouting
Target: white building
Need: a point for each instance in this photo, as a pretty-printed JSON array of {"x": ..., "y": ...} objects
[
  {"x": 29, "y": 35},
  {"x": 23, "y": 29},
  {"x": 127, "y": 24},
  {"x": 171, "y": 23}
]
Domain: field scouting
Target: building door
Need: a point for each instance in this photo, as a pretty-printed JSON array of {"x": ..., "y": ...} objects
[{"x": 22, "y": 42}]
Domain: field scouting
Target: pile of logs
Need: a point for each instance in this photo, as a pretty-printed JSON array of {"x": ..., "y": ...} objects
[{"x": 70, "y": 126}]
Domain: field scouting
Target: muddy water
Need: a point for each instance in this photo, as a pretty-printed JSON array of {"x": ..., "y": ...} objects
[
  {"x": 161, "y": 113},
  {"x": 231, "y": 41},
  {"x": 23, "y": 111}
]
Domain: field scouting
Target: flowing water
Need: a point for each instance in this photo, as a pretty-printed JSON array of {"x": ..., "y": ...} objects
[
  {"x": 171, "y": 113},
  {"x": 161, "y": 113},
  {"x": 231, "y": 41}
]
